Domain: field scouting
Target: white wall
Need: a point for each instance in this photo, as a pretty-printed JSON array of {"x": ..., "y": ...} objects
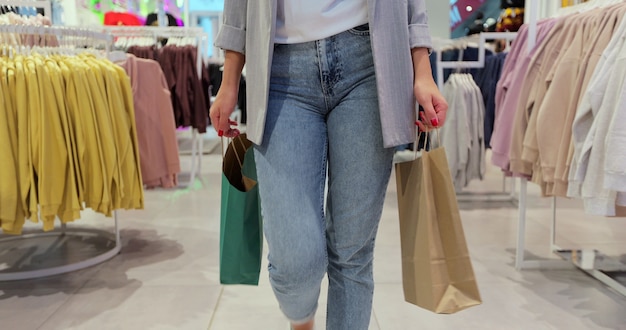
[
  {"x": 76, "y": 14},
  {"x": 545, "y": 9},
  {"x": 439, "y": 18}
]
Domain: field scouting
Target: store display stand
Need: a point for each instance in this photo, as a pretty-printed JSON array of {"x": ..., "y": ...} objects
[
  {"x": 201, "y": 39},
  {"x": 62, "y": 32},
  {"x": 502, "y": 196},
  {"x": 609, "y": 271},
  {"x": 114, "y": 238}
]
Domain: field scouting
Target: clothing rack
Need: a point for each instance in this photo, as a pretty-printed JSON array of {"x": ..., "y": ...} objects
[
  {"x": 62, "y": 32},
  {"x": 154, "y": 32},
  {"x": 46, "y": 5},
  {"x": 589, "y": 261},
  {"x": 480, "y": 63},
  {"x": 464, "y": 42}
]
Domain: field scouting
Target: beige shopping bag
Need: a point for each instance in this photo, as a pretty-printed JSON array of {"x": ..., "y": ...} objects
[{"x": 437, "y": 273}]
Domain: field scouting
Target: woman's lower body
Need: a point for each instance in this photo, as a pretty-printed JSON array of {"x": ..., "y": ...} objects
[{"x": 323, "y": 123}]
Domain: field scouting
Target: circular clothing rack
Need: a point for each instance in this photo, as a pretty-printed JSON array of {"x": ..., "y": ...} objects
[{"x": 112, "y": 245}]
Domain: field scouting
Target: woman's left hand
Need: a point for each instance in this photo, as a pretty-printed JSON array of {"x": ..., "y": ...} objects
[
  {"x": 435, "y": 106},
  {"x": 426, "y": 92}
]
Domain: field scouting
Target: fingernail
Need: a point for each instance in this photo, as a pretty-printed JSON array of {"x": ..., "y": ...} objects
[
  {"x": 220, "y": 133},
  {"x": 417, "y": 123},
  {"x": 435, "y": 122}
]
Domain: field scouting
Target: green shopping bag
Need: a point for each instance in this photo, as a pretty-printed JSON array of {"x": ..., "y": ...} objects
[{"x": 241, "y": 235}]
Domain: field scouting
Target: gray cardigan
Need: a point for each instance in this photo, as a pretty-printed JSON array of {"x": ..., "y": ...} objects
[{"x": 392, "y": 40}]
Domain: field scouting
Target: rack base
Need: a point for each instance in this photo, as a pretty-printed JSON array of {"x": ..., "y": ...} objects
[
  {"x": 608, "y": 270},
  {"x": 24, "y": 271}
]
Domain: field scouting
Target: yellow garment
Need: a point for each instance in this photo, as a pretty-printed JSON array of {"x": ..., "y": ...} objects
[
  {"x": 34, "y": 113},
  {"x": 69, "y": 209},
  {"x": 136, "y": 188},
  {"x": 67, "y": 140},
  {"x": 91, "y": 158},
  {"x": 110, "y": 128},
  {"x": 119, "y": 92},
  {"x": 9, "y": 203},
  {"x": 73, "y": 106},
  {"x": 25, "y": 167},
  {"x": 54, "y": 155},
  {"x": 104, "y": 130}
]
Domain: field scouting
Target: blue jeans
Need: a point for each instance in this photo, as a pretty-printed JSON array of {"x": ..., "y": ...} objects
[{"x": 323, "y": 119}]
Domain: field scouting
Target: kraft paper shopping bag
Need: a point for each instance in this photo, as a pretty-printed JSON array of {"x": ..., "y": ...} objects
[{"x": 437, "y": 273}]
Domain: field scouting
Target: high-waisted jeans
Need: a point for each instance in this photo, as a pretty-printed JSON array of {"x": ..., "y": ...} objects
[{"x": 323, "y": 119}]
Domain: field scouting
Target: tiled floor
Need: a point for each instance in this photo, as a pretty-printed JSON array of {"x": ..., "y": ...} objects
[{"x": 167, "y": 274}]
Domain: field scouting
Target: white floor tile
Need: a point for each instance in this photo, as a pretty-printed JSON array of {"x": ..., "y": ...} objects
[
  {"x": 134, "y": 306},
  {"x": 27, "y": 309}
]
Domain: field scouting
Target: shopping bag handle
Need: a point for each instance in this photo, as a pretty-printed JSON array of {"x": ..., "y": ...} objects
[
  {"x": 418, "y": 138},
  {"x": 238, "y": 137}
]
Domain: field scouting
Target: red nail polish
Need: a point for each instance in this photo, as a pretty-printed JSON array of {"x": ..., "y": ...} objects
[
  {"x": 435, "y": 122},
  {"x": 220, "y": 133},
  {"x": 417, "y": 123}
]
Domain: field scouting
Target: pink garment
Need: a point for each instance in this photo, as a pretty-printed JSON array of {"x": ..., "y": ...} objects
[
  {"x": 156, "y": 130},
  {"x": 504, "y": 115},
  {"x": 509, "y": 90}
]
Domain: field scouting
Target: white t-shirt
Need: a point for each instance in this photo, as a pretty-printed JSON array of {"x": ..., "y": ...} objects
[{"x": 308, "y": 20}]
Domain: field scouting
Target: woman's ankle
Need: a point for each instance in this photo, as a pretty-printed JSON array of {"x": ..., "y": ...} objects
[{"x": 304, "y": 326}]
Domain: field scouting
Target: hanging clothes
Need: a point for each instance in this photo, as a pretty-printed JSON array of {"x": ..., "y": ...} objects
[
  {"x": 487, "y": 80},
  {"x": 463, "y": 134},
  {"x": 562, "y": 127},
  {"x": 68, "y": 139},
  {"x": 597, "y": 168},
  {"x": 28, "y": 39},
  {"x": 15, "y": 17},
  {"x": 461, "y": 53},
  {"x": 156, "y": 129},
  {"x": 510, "y": 90},
  {"x": 189, "y": 99}
]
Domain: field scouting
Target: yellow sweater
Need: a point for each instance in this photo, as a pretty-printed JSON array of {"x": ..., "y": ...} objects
[
  {"x": 67, "y": 140},
  {"x": 69, "y": 209},
  {"x": 9, "y": 202},
  {"x": 24, "y": 167}
]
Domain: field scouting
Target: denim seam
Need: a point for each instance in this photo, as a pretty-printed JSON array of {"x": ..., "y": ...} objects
[
  {"x": 338, "y": 68},
  {"x": 359, "y": 33},
  {"x": 323, "y": 186},
  {"x": 320, "y": 65}
]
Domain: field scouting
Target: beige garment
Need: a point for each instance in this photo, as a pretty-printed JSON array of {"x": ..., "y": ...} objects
[
  {"x": 594, "y": 51},
  {"x": 556, "y": 113},
  {"x": 522, "y": 112},
  {"x": 530, "y": 152},
  {"x": 523, "y": 158},
  {"x": 542, "y": 84}
]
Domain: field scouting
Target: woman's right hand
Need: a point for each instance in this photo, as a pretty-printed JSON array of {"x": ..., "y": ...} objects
[{"x": 220, "y": 112}]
